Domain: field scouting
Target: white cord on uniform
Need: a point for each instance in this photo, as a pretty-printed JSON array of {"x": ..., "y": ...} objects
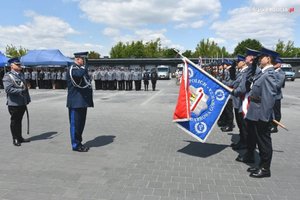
[
  {"x": 87, "y": 83},
  {"x": 21, "y": 85}
]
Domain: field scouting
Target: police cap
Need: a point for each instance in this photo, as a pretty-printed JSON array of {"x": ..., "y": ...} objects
[
  {"x": 240, "y": 58},
  {"x": 81, "y": 54},
  {"x": 14, "y": 60},
  {"x": 268, "y": 52},
  {"x": 227, "y": 62},
  {"x": 252, "y": 52}
]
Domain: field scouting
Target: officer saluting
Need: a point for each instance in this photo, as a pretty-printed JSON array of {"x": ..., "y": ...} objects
[
  {"x": 17, "y": 99},
  {"x": 80, "y": 96},
  {"x": 260, "y": 111}
]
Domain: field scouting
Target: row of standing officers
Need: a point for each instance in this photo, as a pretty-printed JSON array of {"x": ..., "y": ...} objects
[
  {"x": 122, "y": 79},
  {"x": 46, "y": 79},
  {"x": 104, "y": 78},
  {"x": 256, "y": 79}
]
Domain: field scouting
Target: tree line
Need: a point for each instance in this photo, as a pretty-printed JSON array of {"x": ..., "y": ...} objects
[{"x": 153, "y": 49}]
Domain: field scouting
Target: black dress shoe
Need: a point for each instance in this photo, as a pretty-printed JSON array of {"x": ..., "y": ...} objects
[
  {"x": 252, "y": 169},
  {"x": 16, "y": 142},
  {"x": 81, "y": 148},
  {"x": 226, "y": 128},
  {"x": 274, "y": 129},
  {"x": 239, "y": 146},
  {"x": 245, "y": 158},
  {"x": 261, "y": 173},
  {"x": 23, "y": 140},
  {"x": 233, "y": 144}
]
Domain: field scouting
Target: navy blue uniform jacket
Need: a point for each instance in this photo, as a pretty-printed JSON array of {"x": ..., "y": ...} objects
[{"x": 79, "y": 97}]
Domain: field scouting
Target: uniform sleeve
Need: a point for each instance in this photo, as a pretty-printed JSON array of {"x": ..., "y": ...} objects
[
  {"x": 280, "y": 78},
  {"x": 269, "y": 90},
  {"x": 9, "y": 86},
  {"x": 241, "y": 88},
  {"x": 78, "y": 72}
]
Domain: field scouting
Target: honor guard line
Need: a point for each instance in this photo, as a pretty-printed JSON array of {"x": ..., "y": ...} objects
[{"x": 228, "y": 88}]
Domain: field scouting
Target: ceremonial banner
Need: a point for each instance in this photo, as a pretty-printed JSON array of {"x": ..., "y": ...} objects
[{"x": 202, "y": 99}]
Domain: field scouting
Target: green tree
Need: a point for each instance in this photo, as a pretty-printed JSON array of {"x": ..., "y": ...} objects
[
  {"x": 208, "y": 48},
  {"x": 152, "y": 49},
  {"x": 137, "y": 50},
  {"x": 287, "y": 50},
  {"x": 168, "y": 53},
  {"x": 248, "y": 43},
  {"x": 188, "y": 53},
  {"x": 118, "y": 51},
  {"x": 12, "y": 51},
  {"x": 93, "y": 55}
]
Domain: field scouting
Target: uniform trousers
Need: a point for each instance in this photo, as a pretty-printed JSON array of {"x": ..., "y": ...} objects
[
  {"x": 258, "y": 132},
  {"x": 228, "y": 114},
  {"x": 242, "y": 125},
  {"x": 77, "y": 117},
  {"x": 277, "y": 110},
  {"x": 153, "y": 82},
  {"x": 16, "y": 113},
  {"x": 146, "y": 84}
]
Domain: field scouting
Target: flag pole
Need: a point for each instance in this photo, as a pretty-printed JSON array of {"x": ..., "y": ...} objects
[{"x": 203, "y": 71}]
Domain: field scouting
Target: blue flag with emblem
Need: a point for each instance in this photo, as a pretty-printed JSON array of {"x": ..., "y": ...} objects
[{"x": 207, "y": 98}]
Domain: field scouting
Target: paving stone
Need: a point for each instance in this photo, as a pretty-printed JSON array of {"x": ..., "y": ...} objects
[{"x": 137, "y": 152}]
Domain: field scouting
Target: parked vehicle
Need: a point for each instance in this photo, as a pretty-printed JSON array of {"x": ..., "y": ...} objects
[
  {"x": 163, "y": 72},
  {"x": 289, "y": 72}
]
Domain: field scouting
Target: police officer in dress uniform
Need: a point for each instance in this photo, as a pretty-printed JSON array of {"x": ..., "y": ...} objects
[
  {"x": 96, "y": 79},
  {"x": 127, "y": 75},
  {"x": 53, "y": 78},
  {"x": 17, "y": 99},
  {"x": 118, "y": 78},
  {"x": 122, "y": 82},
  {"x": 115, "y": 82},
  {"x": 103, "y": 78},
  {"x": 33, "y": 79},
  {"x": 130, "y": 80},
  {"x": 47, "y": 79},
  {"x": 228, "y": 110},
  {"x": 280, "y": 77},
  {"x": 80, "y": 97},
  {"x": 41, "y": 79},
  {"x": 252, "y": 70},
  {"x": 154, "y": 77},
  {"x": 259, "y": 115},
  {"x": 238, "y": 92},
  {"x": 27, "y": 76},
  {"x": 140, "y": 78},
  {"x": 58, "y": 79},
  {"x": 64, "y": 79},
  {"x": 146, "y": 78},
  {"x": 110, "y": 79},
  {"x": 135, "y": 79}
]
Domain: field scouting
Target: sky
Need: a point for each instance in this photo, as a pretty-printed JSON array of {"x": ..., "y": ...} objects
[{"x": 98, "y": 25}]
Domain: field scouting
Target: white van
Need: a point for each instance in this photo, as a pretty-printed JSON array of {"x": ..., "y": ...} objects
[{"x": 163, "y": 72}]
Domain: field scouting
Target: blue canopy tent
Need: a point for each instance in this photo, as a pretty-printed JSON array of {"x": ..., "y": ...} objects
[
  {"x": 45, "y": 57},
  {"x": 3, "y": 59}
]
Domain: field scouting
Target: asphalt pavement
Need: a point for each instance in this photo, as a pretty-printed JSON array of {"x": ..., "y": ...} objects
[{"x": 138, "y": 153}]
